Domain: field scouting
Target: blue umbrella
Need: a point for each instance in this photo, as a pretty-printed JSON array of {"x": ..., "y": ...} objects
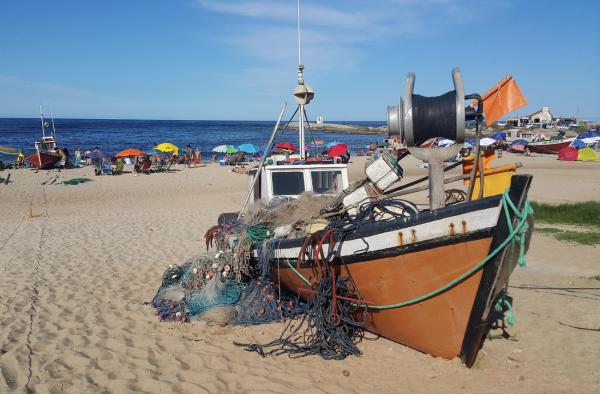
[
  {"x": 249, "y": 148},
  {"x": 98, "y": 154},
  {"x": 578, "y": 144},
  {"x": 329, "y": 145},
  {"x": 499, "y": 136}
]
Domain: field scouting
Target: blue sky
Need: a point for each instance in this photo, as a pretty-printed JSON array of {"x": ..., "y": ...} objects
[{"x": 236, "y": 59}]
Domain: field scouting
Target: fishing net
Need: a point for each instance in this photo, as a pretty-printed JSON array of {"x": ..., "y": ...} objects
[
  {"x": 205, "y": 289},
  {"x": 76, "y": 181},
  {"x": 261, "y": 302}
]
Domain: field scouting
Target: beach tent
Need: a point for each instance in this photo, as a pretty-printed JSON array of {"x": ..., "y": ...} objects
[
  {"x": 568, "y": 154},
  {"x": 578, "y": 144},
  {"x": 587, "y": 154},
  {"x": 249, "y": 148},
  {"x": 167, "y": 147},
  {"x": 130, "y": 152},
  {"x": 499, "y": 136},
  {"x": 225, "y": 149}
]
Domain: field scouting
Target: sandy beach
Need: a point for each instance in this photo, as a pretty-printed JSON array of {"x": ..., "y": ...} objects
[{"x": 77, "y": 276}]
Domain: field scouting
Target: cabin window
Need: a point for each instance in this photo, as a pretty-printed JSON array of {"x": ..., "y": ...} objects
[
  {"x": 288, "y": 183},
  {"x": 326, "y": 182}
]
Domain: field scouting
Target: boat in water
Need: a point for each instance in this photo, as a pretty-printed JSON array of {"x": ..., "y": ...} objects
[{"x": 45, "y": 155}]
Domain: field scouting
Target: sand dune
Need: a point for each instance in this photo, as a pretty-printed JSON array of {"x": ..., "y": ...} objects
[{"x": 77, "y": 275}]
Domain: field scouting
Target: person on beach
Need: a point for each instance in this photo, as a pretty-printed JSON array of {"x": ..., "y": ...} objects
[
  {"x": 213, "y": 158},
  {"x": 190, "y": 153},
  {"x": 197, "y": 157},
  {"x": 20, "y": 159},
  {"x": 77, "y": 157}
]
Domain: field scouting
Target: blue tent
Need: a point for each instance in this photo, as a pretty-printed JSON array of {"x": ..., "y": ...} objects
[
  {"x": 520, "y": 142},
  {"x": 249, "y": 148},
  {"x": 578, "y": 144},
  {"x": 499, "y": 136}
]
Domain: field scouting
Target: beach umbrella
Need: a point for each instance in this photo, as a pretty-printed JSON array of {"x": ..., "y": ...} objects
[
  {"x": 337, "y": 150},
  {"x": 589, "y": 141},
  {"x": 467, "y": 144},
  {"x": 98, "y": 154},
  {"x": 329, "y": 145},
  {"x": 225, "y": 149},
  {"x": 487, "y": 141},
  {"x": 249, "y": 148},
  {"x": 130, "y": 152},
  {"x": 287, "y": 146},
  {"x": 568, "y": 153},
  {"x": 8, "y": 151},
  {"x": 587, "y": 134},
  {"x": 521, "y": 142},
  {"x": 167, "y": 147},
  {"x": 499, "y": 136},
  {"x": 578, "y": 144}
]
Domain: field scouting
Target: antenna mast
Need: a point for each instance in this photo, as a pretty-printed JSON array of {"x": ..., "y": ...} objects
[
  {"x": 42, "y": 119},
  {"x": 303, "y": 93},
  {"x": 53, "y": 129}
]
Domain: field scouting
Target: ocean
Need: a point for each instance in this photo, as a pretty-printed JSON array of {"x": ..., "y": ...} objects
[{"x": 114, "y": 135}]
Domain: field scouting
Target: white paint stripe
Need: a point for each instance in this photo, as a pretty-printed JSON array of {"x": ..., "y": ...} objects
[{"x": 475, "y": 221}]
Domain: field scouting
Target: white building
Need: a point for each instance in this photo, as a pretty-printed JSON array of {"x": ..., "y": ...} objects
[{"x": 543, "y": 116}]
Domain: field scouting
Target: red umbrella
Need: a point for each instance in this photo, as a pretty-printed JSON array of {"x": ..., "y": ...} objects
[
  {"x": 337, "y": 150},
  {"x": 287, "y": 146},
  {"x": 130, "y": 152}
]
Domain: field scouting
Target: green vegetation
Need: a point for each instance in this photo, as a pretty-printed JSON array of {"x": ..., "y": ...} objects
[
  {"x": 584, "y": 213},
  {"x": 595, "y": 277},
  {"x": 579, "y": 237}
]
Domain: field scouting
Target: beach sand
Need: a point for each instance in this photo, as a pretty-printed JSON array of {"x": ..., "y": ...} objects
[{"x": 77, "y": 274}]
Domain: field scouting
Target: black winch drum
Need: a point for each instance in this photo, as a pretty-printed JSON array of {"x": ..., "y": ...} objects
[{"x": 418, "y": 118}]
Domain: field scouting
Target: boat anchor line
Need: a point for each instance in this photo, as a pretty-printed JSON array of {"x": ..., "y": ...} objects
[{"x": 518, "y": 231}]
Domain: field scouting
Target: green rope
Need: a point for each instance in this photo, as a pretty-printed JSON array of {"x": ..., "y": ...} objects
[
  {"x": 298, "y": 273},
  {"x": 519, "y": 230},
  {"x": 510, "y": 315},
  {"x": 258, "y": 232}
]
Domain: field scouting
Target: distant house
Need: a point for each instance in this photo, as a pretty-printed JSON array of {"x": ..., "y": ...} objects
[
  {"x": 543, "y": 116},
  {"x": 518, "y": 121}
]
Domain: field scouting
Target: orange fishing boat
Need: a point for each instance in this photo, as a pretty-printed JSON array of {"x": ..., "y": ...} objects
[{"x": 432, "y": 279}]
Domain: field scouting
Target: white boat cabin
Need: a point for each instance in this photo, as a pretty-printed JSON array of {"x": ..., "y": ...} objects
[
  {"x": 46, "y": 144},
  {"x": 291, "y": 180}
]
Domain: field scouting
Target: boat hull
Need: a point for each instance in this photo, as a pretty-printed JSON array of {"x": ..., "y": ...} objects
[
  {"x": 48, "y": 160},
  {"x": 549, "y": 147},
  {"x": 428, "y": 253}
]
